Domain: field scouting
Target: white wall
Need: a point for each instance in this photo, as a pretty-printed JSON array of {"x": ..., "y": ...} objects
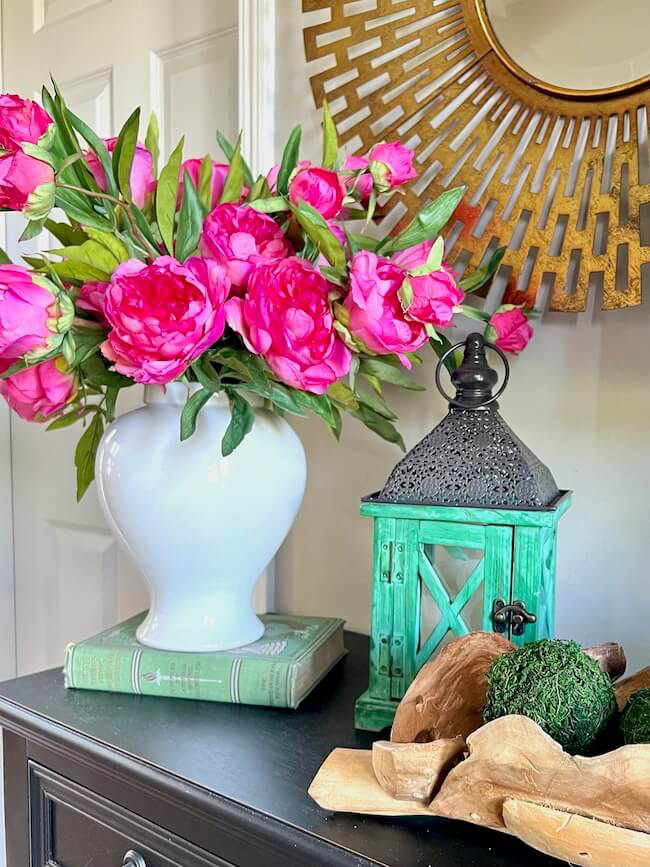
[{"x": 579, "y": 397}]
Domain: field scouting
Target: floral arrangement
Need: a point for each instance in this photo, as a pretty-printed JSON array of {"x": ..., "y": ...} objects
[{"x": 203, "y": 273}]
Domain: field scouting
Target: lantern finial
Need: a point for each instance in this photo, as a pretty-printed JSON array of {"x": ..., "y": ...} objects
[{"x": 473, "y": 379}]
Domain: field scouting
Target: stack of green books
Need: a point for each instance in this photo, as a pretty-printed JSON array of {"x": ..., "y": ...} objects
[{"x": 278, "y": 670}]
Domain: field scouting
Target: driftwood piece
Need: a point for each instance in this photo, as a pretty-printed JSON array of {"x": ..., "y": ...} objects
[
  {"x": 610, "y": 656},
  {"x": 447, "y": 696},
  {"x": 512, "y": 757},
  {"x": 574, "y": 838},
  {"x": 346, "y": 783},
  {"x": 412, "y": 772},
  {"x": 631, "y": 684}
]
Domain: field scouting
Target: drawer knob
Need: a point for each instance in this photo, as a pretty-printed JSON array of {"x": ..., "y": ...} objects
[{"x": 133, "y": 859}]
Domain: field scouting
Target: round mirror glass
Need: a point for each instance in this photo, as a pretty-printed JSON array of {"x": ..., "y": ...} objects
[{"x": 586, "y": 45}]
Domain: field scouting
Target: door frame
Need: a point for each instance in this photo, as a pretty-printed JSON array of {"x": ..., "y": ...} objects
[{"x": 256, "y": 68}]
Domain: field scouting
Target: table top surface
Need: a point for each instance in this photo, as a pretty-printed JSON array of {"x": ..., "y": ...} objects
[{"x": 265, "y": 758}]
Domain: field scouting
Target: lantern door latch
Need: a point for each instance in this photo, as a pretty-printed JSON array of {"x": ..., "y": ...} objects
[{"x": 516, "y": 615}]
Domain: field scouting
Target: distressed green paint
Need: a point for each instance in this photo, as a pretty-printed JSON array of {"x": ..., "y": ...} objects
[
  {"x": 470, "y": 515},
  {"x": 518, "y": 563}
]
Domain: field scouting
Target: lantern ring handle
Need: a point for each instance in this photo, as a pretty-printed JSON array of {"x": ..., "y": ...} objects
[{"x": 490, "y": 400}]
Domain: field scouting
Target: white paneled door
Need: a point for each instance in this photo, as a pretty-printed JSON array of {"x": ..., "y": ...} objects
[{"x": 179, "y": 58}]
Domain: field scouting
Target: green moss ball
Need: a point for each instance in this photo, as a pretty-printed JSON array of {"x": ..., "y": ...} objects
[
  {"x": 558, "y": 686},
  {"x": 635, "y": 719}
]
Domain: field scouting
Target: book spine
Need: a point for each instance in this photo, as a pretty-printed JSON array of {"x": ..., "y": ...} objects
[{"x": 141, "y": 671}]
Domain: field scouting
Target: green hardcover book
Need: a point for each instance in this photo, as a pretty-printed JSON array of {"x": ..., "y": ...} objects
[{"x": 278, "y": 670}]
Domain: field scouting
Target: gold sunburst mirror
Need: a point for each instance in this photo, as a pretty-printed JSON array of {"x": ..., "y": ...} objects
[{"x": 540, "y": 107}]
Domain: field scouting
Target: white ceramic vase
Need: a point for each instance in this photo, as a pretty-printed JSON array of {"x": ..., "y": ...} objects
[{"x": 200, "y": 527}]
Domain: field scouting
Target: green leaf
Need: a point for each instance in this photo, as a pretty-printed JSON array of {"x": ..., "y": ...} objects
[
  {"x": 166, "y": 194},
  {"x": 249, "y": 367},
  {"x": 97, "y": 146},
  {"x": 330, "y": 138},
  {"x": 472, "y": 312},
  {"x": 405, "y": 294},
  {"x": 344, "y": 395},
  {"x": 191, "y": 410},
  {"x": 361, "y": 242},
  {"x": 376, "y": 403},
  {"x": 70, "y": 418},
  {"x": 387, "y": 371},
  {"x": 96, "y": 373},
  {"x": 109, "y": 242},
  {"x": 103, "y": 255},
  {"x": 280, "y": 395},
  {"x": 32, "y": 229},
  {"x": 379, "y": 425},
  {"x": 71, "y": 270},
  {"x": 69, "y": 236},
  {"x": 152, "y": 141},
  {"x": 4, "y": 259},
  {"x": 124, "y": 152},
  {"x": 441, "y": 346},
  {"x": 427, "y": 224},
  {"x": 228, "y": 151},
  {"x": 145, "y": 228},
  {"x": 259, "y": 190},
  {"x": 86, "y": 345},
  {"x": 234, "y": 183},
  {"x": 481, "y": 276},
  {"x": 206, "y": 374},
  {"x": 111, "y": 401},
  {"x": 318, "y": 404},
  {"x": 289, "y": 160},
  {"x": 14, "y": 368},
  {"x": 84, "y": 456},
  {"x": 272, "y": 205},
  {"x": 317, "y": 230},
  {"x": 66, "y": 141},
  {"x": 76, "y": 208},
  {"x": 242, "y": 419},
  {"x": 190, "y": 220},
  {"x": 205, "y": 183}
]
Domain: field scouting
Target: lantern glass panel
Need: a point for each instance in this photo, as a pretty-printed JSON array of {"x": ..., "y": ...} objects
[{"x": 454, "y": 566}]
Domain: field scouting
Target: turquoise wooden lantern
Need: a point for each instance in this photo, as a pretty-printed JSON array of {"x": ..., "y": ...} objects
[{"x": 464, "y": 539}]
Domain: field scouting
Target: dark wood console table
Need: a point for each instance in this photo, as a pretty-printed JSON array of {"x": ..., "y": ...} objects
[{"x": 102, "y": 780}]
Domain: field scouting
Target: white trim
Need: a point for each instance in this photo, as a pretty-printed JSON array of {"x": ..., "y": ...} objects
[
  {"x": 157, "y": 61},
  {"x": 257, "y": 81},
  {"x": 256, "y": 122},
  {"x": 7, "y": 553}
]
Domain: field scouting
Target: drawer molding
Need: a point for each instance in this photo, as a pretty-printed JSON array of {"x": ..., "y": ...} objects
[{"x": 48, "y": 789}]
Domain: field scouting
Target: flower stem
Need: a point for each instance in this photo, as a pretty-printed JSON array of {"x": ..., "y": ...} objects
[{"x": 137, "y": 234}]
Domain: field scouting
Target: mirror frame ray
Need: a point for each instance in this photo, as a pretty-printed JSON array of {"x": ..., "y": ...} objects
[{"x": 560, "y": 177}]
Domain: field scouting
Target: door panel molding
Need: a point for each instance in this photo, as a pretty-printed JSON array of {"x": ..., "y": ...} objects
[{"x": 257, "y": 81}]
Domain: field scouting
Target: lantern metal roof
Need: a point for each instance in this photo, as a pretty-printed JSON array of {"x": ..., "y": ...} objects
[{"x": 472, "y": 458}]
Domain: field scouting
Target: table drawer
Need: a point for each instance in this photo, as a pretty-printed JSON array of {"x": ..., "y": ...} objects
[{"x": 74, "y": 827}]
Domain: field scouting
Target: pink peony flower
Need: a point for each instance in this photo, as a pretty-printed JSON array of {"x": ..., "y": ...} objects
[
  {"x": 39, "y": 392},
  {"x": 274, "y": 171},
  {"x": 375, "y": 313},
  {"x": 391, "y": 165},
  {"x": 163, "y": 315},
  {"x": 286, "y": 317},
  {"x": 193, "y": 167},
  {"x": 91, "y": 298},
  {"x": 240, "y": 237},
  {"x": 509, "y": 329},
  {"x": 434, "y": 295},
  {"x": 362, "y": 184},
  {"x": 21, "y": 120},
  {"x": 323, "y": 189},
  {"x": 26, "y": 184},
  {"x": 142, "y": 180},
  {"x": 339, "y": 234},
  {"x": 34, "y": 315}
]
